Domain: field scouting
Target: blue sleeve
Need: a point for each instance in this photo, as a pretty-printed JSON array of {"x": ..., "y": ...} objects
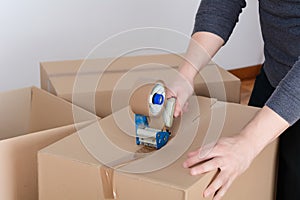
[
  {"x": 218, "y": 16},
  {"x": 285, "y": 100}
]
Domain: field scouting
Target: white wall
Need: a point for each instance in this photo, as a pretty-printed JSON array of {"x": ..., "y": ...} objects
[{"x": 45, "y": 30}]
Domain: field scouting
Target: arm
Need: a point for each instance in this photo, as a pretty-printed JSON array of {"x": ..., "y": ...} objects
[
  {"x": 285, "y": 100},
  {"x": 281, "y": 110},
  {"x": 202, "y": 47},
  {"x": 233, "y": 155},
  {"x": 214, "y": 24}
]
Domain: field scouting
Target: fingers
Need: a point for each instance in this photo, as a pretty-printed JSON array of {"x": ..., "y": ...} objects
[
  {"x": 193, "y": 153},
  {"x": 180, "y": 110},
  {"x": 191, "y": 161},
  {"x": 185, "y": 107},
  {"x": 203, "y": 151},
  {"x": 213, "y": 187},
  {"x": 219, "y": 186},
  {"x": 195, "y": 159},
  {"x": 170, "y": 94},
  {"x": 231, "y": 155},
  {"x": 177, "y": 110},
  {"x": 207, "y": 166},
  {"x": 222, "y": 191}
]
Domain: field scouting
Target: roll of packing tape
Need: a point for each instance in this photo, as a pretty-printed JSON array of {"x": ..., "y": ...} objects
[{"x": 148, "y": 100}]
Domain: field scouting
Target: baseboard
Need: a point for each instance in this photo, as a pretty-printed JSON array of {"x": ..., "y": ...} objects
[{"x": 246, "y": 72}]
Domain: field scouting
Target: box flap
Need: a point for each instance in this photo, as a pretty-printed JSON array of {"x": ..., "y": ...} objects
[
  {"x": 49, "y": 111},
  {"x": 15, "y": 107},
  {"x": 34, "y": 110},
  {"x": 213, "y": 73},
  {"x": 70, "y": 148}
]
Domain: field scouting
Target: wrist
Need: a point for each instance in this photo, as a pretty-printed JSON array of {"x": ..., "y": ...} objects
[
  {"x": 255, "y": 144},
  {"x": 264, "y": 128},
  {"x": 188, "y": 72}
]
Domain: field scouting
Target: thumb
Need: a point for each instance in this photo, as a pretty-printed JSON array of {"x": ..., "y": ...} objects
[
  {"x": 177, "y": 110},
  {"x": 170, "y": 94}
]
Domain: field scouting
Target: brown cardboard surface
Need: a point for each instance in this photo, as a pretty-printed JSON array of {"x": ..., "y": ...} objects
[
  {"x": 59, "y": 78},
  {"x": 211, "y": 75},
  {"x": 71, "y": 67},
  {"x": 68, "y": 171},
  {"x": 31, "y": 119}
]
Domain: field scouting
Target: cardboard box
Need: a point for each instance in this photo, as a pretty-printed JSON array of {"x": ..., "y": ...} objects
[
  {"x": 31, "y": 119},
  {"x": 59, "y": 78},
  {"x": 71, "y": 67},
  {"x": 67, "y": 170}
]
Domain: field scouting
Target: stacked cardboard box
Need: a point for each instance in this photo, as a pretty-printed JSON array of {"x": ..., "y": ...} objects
[
  {"x": 62, "y": 78},
  {"x": 31, "y": 119},
  {"x": 69, "y": 169}
]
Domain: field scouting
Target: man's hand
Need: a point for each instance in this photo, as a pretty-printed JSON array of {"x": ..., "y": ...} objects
[
  {"x": 182, "y": 88},
  {"x": 231, "y": 155},
  {"x": 202, "y": 47}
]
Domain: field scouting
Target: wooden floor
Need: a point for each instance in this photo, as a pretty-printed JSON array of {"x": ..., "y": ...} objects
[
  {"x": 246, "y": 89},
  {"x": 247, "y": 76}
]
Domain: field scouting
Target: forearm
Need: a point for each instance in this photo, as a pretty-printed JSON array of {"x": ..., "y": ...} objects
[
  {"x": 285, "y": 100},
  {"x": 281, "y": 110},
  {"x": 265, "y": 127},
  {"x": 203, "y": 46},
  {"x": 214, "y": 24}
]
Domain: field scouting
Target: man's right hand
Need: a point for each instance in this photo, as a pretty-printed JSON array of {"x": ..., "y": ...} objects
[
  {"x": 182, "y": 88},
  {"x": 202, "y": 47}
]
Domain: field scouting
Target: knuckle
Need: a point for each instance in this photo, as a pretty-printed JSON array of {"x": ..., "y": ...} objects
[
  {"x": 203, "y": 168},
  {"x": 216, "y": 185},
  {"x": 222, "y": 192},
  {"x": 219, "y": 162},
  {"x": 188, "y": 162}
]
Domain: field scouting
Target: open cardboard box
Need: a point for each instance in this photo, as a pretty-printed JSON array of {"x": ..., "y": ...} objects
[
  {"x": 69, "y": 169},
  {"x": 31, "y": 119},
  {"x": 60, "y": 78}
]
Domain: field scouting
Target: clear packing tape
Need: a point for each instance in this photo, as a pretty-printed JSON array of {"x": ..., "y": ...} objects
[
  {"x": 107, "y": 173},
  {"x": 141, "y": 102}
]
